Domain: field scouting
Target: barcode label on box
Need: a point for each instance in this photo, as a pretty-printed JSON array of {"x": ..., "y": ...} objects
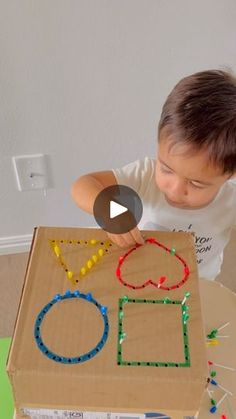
[{"x": 74, "y": 414}]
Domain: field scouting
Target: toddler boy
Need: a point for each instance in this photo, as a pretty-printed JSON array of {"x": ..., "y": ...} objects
[{"x": 189, "y": 186}]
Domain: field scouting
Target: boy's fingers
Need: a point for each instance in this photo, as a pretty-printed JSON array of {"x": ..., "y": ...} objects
[
  {"x": 117, "y": 239},
  {"x": 137, "y": 236},
  {"x": 121, "y": 241},
  {"x": 127, "y": 240},
  {"x": 130, "y": 240}
]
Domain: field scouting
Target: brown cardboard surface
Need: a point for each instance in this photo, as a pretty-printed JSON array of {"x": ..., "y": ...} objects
[
  {"x": 219, "y": 308},
  {"x": 73, "y": 327}
]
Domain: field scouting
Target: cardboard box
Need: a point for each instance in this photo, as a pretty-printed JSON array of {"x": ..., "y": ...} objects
[{"x": 158, "y": 366}]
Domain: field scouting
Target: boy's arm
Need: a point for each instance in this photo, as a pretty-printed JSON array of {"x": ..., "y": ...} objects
[
  {"x": 86, "y": 188},
  {"x": 84, "y": 192}
]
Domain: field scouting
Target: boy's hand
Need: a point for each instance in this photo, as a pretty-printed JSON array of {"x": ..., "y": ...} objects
[{"x": 127, "y": 239}]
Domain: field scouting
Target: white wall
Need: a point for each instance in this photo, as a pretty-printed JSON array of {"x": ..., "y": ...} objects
[{"x": 83, "y": 81}]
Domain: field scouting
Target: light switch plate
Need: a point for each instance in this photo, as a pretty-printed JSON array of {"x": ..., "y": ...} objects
[{"x": 31, "y": 171}]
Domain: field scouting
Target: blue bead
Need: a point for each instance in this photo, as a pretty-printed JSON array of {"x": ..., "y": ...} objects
[
  {"x": 77, "y": 293},
  {"x": 93, "y": 353},
  {"x": 57, "y": 297},
  {"x": 104, "y": 310},
  {"x": 213, "y": 409},
  {"x": 89, "y": 296},
  {"x": 50, "y": 355},
  {"x": 213, "y": 382},
  {"x": 68, "y": 293}
]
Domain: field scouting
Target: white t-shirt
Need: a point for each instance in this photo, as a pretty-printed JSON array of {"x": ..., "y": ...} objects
[{"x": 211, "y": 224}]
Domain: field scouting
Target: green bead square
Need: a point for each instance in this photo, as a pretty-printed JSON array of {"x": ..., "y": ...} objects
[{"x": 122, "y": 307}]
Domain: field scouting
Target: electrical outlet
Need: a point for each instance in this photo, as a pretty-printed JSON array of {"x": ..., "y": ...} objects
[{"x": 31, "y": 172}]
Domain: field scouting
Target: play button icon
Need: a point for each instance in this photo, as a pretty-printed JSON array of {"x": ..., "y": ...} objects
[{"x": 118, "y": 209}]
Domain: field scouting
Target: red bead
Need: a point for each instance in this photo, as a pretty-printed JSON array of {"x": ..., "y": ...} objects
[{"x": 162, "y": 279}]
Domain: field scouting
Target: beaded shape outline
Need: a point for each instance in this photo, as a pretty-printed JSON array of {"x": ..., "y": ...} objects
[
  {"x": 75, "y": 277},
  {"x": 70, "y": 360},
  {"x": 152, "y": 240},
  {"x": 121, "y": 361}
]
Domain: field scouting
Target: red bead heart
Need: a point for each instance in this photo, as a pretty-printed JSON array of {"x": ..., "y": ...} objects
[{"x": 149, "y": 281}]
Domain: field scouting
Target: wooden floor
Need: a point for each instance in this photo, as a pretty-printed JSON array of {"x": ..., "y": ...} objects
[{"x": 12, "y": 271}]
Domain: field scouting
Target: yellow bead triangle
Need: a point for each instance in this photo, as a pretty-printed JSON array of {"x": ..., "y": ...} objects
[{"x": 97, "y": 254}]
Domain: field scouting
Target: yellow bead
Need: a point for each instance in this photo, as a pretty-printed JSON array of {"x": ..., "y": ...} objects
[
  {"x": 101, "y": 252},
  {"x": 57, "y": 250},
  {"x": 95, "y": 258},
  {"x": 70, "y": 274},
  {"x": 93, "y": 241},
  {"x": 213, "y": 342},
  {"x": 89, "y": 264},
  {"x": 83, "y": 271}
]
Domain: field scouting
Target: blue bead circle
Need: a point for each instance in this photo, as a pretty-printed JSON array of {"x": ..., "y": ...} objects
[{"x": 59, "y": 358}]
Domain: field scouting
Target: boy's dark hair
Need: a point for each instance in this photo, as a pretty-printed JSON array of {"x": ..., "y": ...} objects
[{"x": 201, "y": 112}]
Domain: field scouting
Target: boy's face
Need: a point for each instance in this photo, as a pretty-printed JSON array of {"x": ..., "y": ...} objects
[{"x": 187, "y": 180}]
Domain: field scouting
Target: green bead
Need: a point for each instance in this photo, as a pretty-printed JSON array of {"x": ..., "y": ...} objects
[
  {"x": 185, "y": 309},
  {"x": 213, "y": 373},
  {"x": 122, "y": 337},
  {"x": 213, "y": 402},
  {"x": 172, "y": 251},
  {"x": 212, "y": 334},
  {"x": 121, "y": 315},
  {"x": 185, "y": 317},
  {"x": 166, "y": 300},
  {"x": 125, "y": 299}
]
